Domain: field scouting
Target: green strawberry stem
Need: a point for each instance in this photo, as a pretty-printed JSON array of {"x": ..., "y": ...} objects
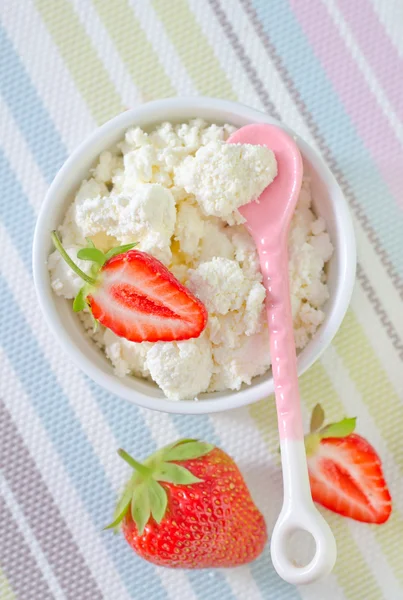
[
  {"x": 318, "y": 432},
  {"x": 71, "y": 263},
  {"x": 144, "y": 495},
  {"x": 142, "y": 469}
]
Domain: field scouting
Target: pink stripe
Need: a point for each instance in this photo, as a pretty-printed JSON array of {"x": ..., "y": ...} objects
[
  {"x": 359, "y": 103},
  {"x": 377, "y": 47}
]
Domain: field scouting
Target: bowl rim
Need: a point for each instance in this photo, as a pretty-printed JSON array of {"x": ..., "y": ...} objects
[{"x": 150, "y": 112}]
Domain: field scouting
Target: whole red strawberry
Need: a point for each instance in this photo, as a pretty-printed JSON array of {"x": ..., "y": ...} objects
[
  {"x": 188, "y": 507},
  {"x": 135, "y": 296},
  {"x": 345, "y": 471}
]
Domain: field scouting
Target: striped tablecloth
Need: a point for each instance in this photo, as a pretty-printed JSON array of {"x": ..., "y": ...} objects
[{"x": 331, "y": 69}]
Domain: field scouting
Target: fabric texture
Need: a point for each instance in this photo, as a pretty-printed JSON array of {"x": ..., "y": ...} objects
[{"x": 330, "y": 69}]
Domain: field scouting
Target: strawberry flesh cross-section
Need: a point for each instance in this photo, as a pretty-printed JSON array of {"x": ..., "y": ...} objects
[{"x": 136, "y": 296}]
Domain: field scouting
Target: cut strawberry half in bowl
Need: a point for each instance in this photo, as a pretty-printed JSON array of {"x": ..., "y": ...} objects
[{"x": 134, "y": 295}]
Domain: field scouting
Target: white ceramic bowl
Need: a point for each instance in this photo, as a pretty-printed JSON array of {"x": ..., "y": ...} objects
[{"x": 66, "y": 326}]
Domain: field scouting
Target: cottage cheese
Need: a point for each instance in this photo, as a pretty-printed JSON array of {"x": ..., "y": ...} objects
[
  {"x": 181, "y": 369},
  {"x": 147, "y": 215},
  {"x": 176, "y": 191},
  {"x": 223, "y": 176}
]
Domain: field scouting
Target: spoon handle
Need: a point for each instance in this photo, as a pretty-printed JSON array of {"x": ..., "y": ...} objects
[
  {"x": 298, "y": 511},
  {"x": 274, "y": 265}
]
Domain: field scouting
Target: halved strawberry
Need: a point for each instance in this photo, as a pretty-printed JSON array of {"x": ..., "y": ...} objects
[
  {"x": 136, "y": 296},
  {"x": 345, "y": 471}
]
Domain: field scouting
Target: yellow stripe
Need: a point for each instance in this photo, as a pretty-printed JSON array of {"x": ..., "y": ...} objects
[
  {"x": 193, "y": 49},
  {"x": 265, "y": 418},
  {"x": 316, "y": 387},
  {"x": 371, "y": 381},
  {"x": 134, "y": 48},
  {"x": 6, "y": 593},
  {"x": 351, "y": 569},
  {"x": 90, "y": 75},
  {"x": 385, "y": 407},
  {"x": 148, "y": 75}
]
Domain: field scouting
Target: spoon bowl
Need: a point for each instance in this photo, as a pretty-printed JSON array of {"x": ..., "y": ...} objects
[
  {"x": 286, "y": 185},
  {"x": 268, "y": 220}
]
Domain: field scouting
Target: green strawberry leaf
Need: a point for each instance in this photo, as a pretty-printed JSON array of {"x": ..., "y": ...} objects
[
  {"x": 339, "y": 430},
  {"x": 90, "y": 243},
  {"x": 158, "y": 500},
  {"x": 92, "y": 254},
  {"x": 141, "y": 506},
  {"x": 122, "y": 506},
  {"x": 80, "y": 301},
  {"x": 188, "y": 450},
  {"x": 119, "y": 250},
  {"x": 159, "y": 455},
  {"x": 317, "y": 419},
  {"x": 172, "y": 473}
]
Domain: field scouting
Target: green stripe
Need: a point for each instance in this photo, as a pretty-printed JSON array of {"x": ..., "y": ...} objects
[
  {"x": 351, "y": 569},
  {"x": 6, "y": 593},
  {"x": 134, "y": 48},
  {"x": 89, "y": 73},
  {"x": 265, "y": 417},
  {"x": 193, "y": 49},
  {"x": 316, "y": 388},
  {"x": 372, "y": 383},
  {"x": 95, "y": 85},
  {"x": 379, "y": 396}
]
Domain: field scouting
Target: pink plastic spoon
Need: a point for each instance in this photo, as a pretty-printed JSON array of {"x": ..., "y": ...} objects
[{"x": 268, "y": 221}]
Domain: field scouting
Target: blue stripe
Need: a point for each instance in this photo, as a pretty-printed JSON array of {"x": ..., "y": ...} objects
[
  {"x": 28, "y": 111},
  {"x": 270, "y": 585},
  {"x": 40, "y": 383},
  {"x": 126, "y": 422},
  {"x": 19, "y": 219},
  {"x": 52, "y": 406},
  {"x": 70, "y": 441},
  {"x": 334, "y": 124},
  {"x": 16, "y": 213},
  {"x": 129, "y": 425}
]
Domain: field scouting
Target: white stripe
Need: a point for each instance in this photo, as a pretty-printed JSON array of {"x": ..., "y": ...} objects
[
  {"x": 224, "y": 53},
  {"x": 73, "y": 384},
  {"x": 240, "y": 579},
  {"x": 390, "y": 13},
  {"x": 355, "y": 407},
  {"x": 385, "y": 353},
  {"x": 370, "y": 78},
  {"x": 267, "y": 73},
  {"x": 238, "y": 433},
  {"x": 47, "y": 71},
  {"x": 163, "y": 432},
  {"x": 64, "y": 494},
  {"x": 365, "y": 539},
  {"x": 290, "y": 114},
  {"x": 29, "y": 537},
  {"x": 20, "y": 158},
  {"x": 382, "y": 284},
  {"x": 107, "y": 53},
  {"x": 167, "y": 55},
  {"x": 364, "y": 536},
  {"x": 68, "y": 377}
]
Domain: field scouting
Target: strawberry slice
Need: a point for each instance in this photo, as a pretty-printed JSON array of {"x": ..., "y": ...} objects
[
  {"x": 139, "y": 299},
  {"x": 345, "y": 473},
  {"x": 136, "y": 296}
]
